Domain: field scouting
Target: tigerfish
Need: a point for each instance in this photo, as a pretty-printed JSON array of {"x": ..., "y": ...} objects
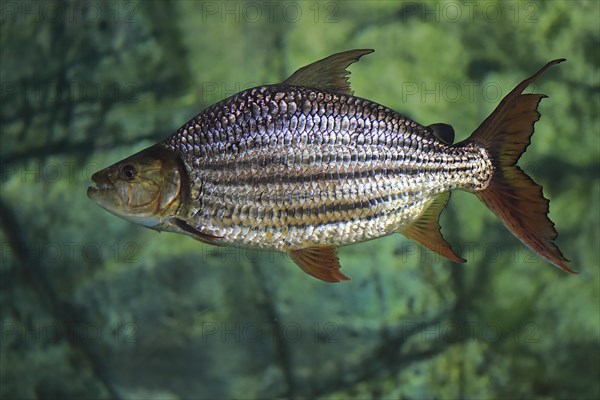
[{"x": 305, "y": 167}]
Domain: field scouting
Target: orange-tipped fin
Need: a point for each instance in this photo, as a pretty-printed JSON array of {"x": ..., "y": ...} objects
[
  {"x": 319, "y": 261},
  {"x": 426, "y": 229}
]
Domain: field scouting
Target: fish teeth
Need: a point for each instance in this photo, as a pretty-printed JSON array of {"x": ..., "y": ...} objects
[{"x": 103, "y": 185}]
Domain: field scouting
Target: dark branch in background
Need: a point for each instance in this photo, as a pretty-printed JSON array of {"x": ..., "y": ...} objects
[
  {"x": 279, "y": 47},
  {"x": 70, "y": 59},
  {"x": 387, "y": 359},
  {"x": 81, "y": 149},
  {"x": 76, "y": 58},
  {"x": 169, "y": 37},
  {"x": 281, "y": 347},
  {"x": 64, "y": 145},
  {"x": 63, "y": 46},
  {"x": 35, "y": 274}
]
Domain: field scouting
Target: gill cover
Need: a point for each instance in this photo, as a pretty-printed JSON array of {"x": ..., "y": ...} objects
[{"x": 144, "y": 188}]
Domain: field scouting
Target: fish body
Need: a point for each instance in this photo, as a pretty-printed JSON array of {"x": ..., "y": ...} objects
[
  {"x": 305, "y": 166},
  {"x": 285, "y": 167}
]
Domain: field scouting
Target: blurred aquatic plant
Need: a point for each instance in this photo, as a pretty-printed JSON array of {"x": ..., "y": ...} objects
[{"x": 164, "y": 316}]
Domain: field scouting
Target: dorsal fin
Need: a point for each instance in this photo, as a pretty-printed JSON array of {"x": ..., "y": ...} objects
[
  {"x": 426, "y": 229},
  {"x": 328, "y": 74},
  {"x": 443, "y": 132},
  {"x": 320, "y": 261}
]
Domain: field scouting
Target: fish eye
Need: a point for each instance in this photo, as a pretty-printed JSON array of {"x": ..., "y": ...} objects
[{"x": 128, "y": 172}]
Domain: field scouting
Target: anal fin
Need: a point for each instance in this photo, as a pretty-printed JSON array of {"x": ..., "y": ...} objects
[
  {"x": 426, "y": 229},
  {"x": 319, "y": 261}
]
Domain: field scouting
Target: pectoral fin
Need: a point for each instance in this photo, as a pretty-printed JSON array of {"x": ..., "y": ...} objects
[
  {"x": 319, "y": 261},
  {"x": 328, "y": 74},
  {"x": 195, "y": 233},
  {"x": 426, "y": 229}
]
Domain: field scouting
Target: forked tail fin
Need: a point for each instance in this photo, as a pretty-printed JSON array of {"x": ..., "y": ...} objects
[{"x": 511, "y": 194}]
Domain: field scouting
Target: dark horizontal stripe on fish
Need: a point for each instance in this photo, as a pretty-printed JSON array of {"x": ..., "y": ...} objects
[
  {"x": 237, "y": 163},
  {"x": 298, "y": 223},
  {"x": 304, "y": 216},
  {"x": 333, "y": 175}
]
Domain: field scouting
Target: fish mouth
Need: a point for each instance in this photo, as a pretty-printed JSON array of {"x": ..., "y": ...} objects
[{"x": 102, "y": 183}]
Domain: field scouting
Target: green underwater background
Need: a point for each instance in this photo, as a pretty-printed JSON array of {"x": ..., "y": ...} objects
[{"x": 92, "y": 306}]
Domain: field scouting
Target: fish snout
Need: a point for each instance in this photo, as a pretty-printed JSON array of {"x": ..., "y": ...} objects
[{"x": 102, "y": 183}]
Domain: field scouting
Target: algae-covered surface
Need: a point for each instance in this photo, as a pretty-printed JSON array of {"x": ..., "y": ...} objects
[{"x": 93, "y": 306}]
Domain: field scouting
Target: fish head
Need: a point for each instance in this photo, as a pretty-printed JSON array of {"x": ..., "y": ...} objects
[{"x": 145, "y": 188}]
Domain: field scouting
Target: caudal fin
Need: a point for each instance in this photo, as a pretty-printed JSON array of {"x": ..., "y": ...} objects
[{"x": 511, "y": 194}]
